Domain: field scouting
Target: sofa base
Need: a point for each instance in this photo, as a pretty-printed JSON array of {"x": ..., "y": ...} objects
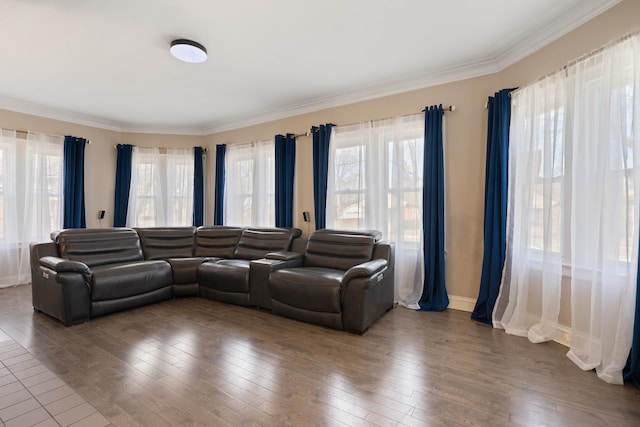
[
  {"x": 99, "y": 308},
  {"x": 186, "y": 290},
  {"x": 229, "y": 297},
  {"x": 330, "y": 320}
]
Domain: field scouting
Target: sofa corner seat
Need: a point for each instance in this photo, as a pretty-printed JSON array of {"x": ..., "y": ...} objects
[{"x": 174, "y": 245}]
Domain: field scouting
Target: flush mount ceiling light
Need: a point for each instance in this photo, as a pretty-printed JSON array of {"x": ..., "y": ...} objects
[{"x": 188, "y": 51}]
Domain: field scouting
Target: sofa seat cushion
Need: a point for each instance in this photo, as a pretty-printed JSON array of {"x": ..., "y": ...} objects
[
  {"x": 128, "y": 279},
  {"x": 309, "y": 288},
  {"x": 227, "y": 275}
]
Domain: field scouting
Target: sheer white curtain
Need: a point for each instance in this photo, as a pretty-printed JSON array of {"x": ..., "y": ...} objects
[
  {"x": 375, "y": 182},
  {"x": 30, "y": 199},
  {"x": 146, "y": 206},
  {"x": 161, "y": 192},
  {"x": 180, "y": 174},
  {"x": 249, "y": 194},
  {"x": 604, "y": 216},
  {"x": 574, "y": 142},
  {"x": 536, "y": 213}
]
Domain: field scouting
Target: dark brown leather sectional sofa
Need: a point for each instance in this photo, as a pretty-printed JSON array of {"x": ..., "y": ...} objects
[{"x": 337, "y": 278}]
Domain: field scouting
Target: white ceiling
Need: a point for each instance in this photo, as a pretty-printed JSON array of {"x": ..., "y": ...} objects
[{"x": 106, "y": 63}]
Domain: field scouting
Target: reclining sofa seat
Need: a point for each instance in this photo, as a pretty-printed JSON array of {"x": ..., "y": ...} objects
[
  {"x": 343, "y": 281},
  {"x": 98, "y": 271},
  {"x": 185, "y": 248},
  {"x": 234, "y": 279}
]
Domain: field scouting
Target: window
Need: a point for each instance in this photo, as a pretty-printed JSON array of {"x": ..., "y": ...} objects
[
  {"x": 553, "y": 157},
  {"x": 375, "y": 182},
  {"x": 161, "y": 187},
  {"x": 249, "y": 195},
  {"x": 30, "y": 198},
  {"x": 548, "y": 201},
  {"x": 377, "y": 177},
  {"x": 349, "y": 187},
  {"x": 405, "y": 186}
]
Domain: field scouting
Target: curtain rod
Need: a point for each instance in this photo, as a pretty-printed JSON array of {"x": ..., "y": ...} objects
[
  {"x": 160, "y": 148},
  {"x": 26, "y": 132},
  {"x": 307, "y": 133},
  {"x": 449, "y": 108},
  {"x": 297, "y": 135}
]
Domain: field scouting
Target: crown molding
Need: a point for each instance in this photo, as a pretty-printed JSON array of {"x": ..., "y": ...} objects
[
  {"x": 440, "y": 77},
  {"x": 551, "y": 32},
  {"x": 186, "y": 130},
  {"x": 33, "y": 109}
]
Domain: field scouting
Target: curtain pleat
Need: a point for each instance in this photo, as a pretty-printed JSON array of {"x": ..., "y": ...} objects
[
  {"x": 74, "y": 204},
  {"x": 495, "y": 204},
  {"x": 198, "y": 187},
  {"x": 123, "y": 183},
  {"x": 218, "y": 208},
  {"x": 285, "y": 163},
  {"x": 434, "y": 294},
  {"x": 321, "y": 138}
]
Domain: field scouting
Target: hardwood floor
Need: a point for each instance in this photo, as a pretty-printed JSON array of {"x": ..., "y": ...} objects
[{"x": 195, "y": 362}]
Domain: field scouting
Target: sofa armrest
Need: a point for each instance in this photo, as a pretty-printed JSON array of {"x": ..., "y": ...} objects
[
  {"x": 284, "y": 255},
  {"x": 366, "y": 269},
  {"x": 61, "y": 265},
  {"x": 259, "y": 272},
  {"x": 62, "y": 289},
  {"x": 368, "y": 291}
]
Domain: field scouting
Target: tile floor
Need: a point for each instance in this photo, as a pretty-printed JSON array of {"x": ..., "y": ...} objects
[{"x": 32, "y": 395}]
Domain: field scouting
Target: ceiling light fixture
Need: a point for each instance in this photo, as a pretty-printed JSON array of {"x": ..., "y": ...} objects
[{"x": 188, "y": 51}]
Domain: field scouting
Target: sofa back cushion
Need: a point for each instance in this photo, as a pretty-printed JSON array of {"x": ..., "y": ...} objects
[
  {"x": 341, "y": 251},
  {"x": 255, "y": 243},
  {"x": 167, "y": 242},
  {"x": 377, "y": 235},
  {"x": 217, "y": 241},
  {"x": 99, "y": 246}
]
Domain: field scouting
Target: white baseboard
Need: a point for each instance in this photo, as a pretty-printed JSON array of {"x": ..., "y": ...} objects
[
  {"x": 563, "y": 336},
  {"x": 461, "y": 303}
]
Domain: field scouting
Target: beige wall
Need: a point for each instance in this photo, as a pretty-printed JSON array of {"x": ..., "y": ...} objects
[
  {"x": 465, "y": 142},
  {"x": 464, "y": 151}
]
